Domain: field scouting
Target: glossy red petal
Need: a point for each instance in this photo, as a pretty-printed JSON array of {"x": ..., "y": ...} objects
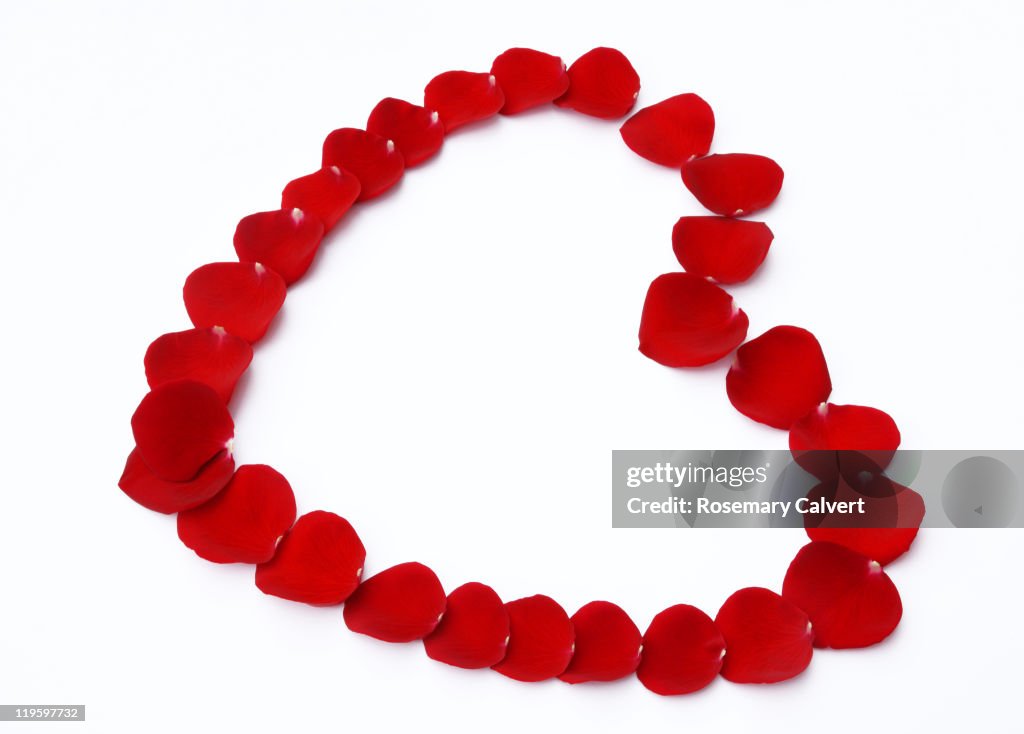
[
  {"x": 210, "y": 355},
  {"x": 375, "y": 161},
  {"x": 138, "y": 482},
  {"x": 240, "y": 297},
  {"x": 244, "y": 522},
  {"x": 418, "y": 132},
  {"x": 285, "y": 240},
  {"x": 833, "y": 435},
  {"x": 474, "y": 631},
  {"x": 672, "y": 131},
  {"x": 721, "y": 249},
  {"x": 319, "y": 561},
  {"x": 602, "y": 83},
  {"x": 462, "y": 97},
  {"x": 327, "y": 194},
  {"x": 849, "y": 598},
  {"x": 179, "y": 427},
  {"x": 541, "y": 640},
  {"x": 400, "y": 604},
  {"x": 733, "y": 184},
  {"x": 767, "y": 639},
  {"x": 682, "y": 651},
  {"x": 779, "y": 377},
  {"x": 687, "y": 321},
  {"x": 607, "y": 644},
  {"x": 529, "y": 78}
]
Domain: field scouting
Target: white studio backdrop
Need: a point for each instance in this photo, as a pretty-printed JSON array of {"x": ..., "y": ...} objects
[{"x": 456, "y": 368}]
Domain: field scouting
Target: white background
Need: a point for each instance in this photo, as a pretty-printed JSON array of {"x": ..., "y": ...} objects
[{"x": 462, "y": 358}]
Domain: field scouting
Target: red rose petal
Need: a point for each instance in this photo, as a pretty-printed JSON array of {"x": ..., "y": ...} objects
[
  {"x": 319, "y": 561},
  {"x": 243, "y": 523},
  {"x": 210, "y": 355},
  {"x": 529, "y": 78},
  {"x": 179, "y": 427},
  {"x": 682, "y": 651},
  {"x": 607, "y": 644},
  {"x": 400, "y": 604},
  {"x": 602, "y": 83},
  {"x": 687, "y": 321},
  {"x": 462, "y": 97},
  {"x": 285, "y": 240},
  {"x": 779, "y": 377},
  {"x": 733, "y": 184},
  {"x": 721, "y": 249},
  {"x": 849, "y": 598},
  {"x": 672, "y": 131},
  {"x": 474, "y": 631},
  {"x": 541, "y": 640},
  {"x": 833, "y": 435},
  {"x": 139, "y": 483},
  {"x": 375, "y": 161},
  {"x": 241, "y": 297},
  {"x": 767, "y": 639},
  {"x": 418, "y": 132},
  {"x": 327, "y": 194}
]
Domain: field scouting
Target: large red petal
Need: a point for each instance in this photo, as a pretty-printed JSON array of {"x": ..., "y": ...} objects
[
  {"x": 779, "y": 377},
  {"x": 849, "y": 598},
  {"x": 687, "y": 321},
  {"x": 241, "y": 297},
  {"x": 474, "y": 631},
  {"x": 400, "y": 604},
  {"x": 541, "y": 639},
  {"x": 285, "y": 240},
  {"x": 529, "y": 78},
  {"x": 462, "y": 97},
  {"x": 210, "y": 355},
  {"x": 721, "y": 249},
  {"x": 143, "y": 486},
  {"x": 607, "y": 644},
  {"x": 602, "y": 83},
  {"x": 243, "y": 523},
  {"x": 375, "y": 161},
  {"x": 733, "y": 184},
  {"x": 682, "y": 652},
  {"x": 767, "y": 639},
  {"x": 319, "y": 561},
  {"x": 179, "y": 427},
  {"x": 326, "y": 194},
  {"x": 417, "y": 131},
  {"x": 672, "y": 131}
]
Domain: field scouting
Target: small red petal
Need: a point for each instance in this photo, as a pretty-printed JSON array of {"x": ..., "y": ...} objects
[
  {"x": 473, "y": 633},
  {"x": 179, "y": 427},
  {"x": 400, "y": 604},
  {"x": 849, "y": 598},
  {"x": 139, "y": 483},
  {"x": 672, "y": 131},
  {"x": 602, "y": 83},
  {"x": 462, "y": 97},
  {"x": 721, "y": 249},
  {"x": 240, "y": 297},
  {"x": 210, "y": 355},
  {"x": 417, "y": 131},
  {"x": 243, "y": 523},
  {"x": 529, "y": 78},
  {"x": 327, "y": 194},
  {"x": 833, "y": 435},
  {"x": 285, "y": 240},
  {"x": 375, "y": 161},
  {"x": 687, "y": 321},
  {"x": 319, "y": 561},
  {"x": 767, "y": 639},
  {"x": 733, "y": 184},
  {"x": 607, "y": 644},
  {"x": 541, "y": 640},
  {"x": 682, "y": 651},
  {"x": 779, "y": 377}
]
